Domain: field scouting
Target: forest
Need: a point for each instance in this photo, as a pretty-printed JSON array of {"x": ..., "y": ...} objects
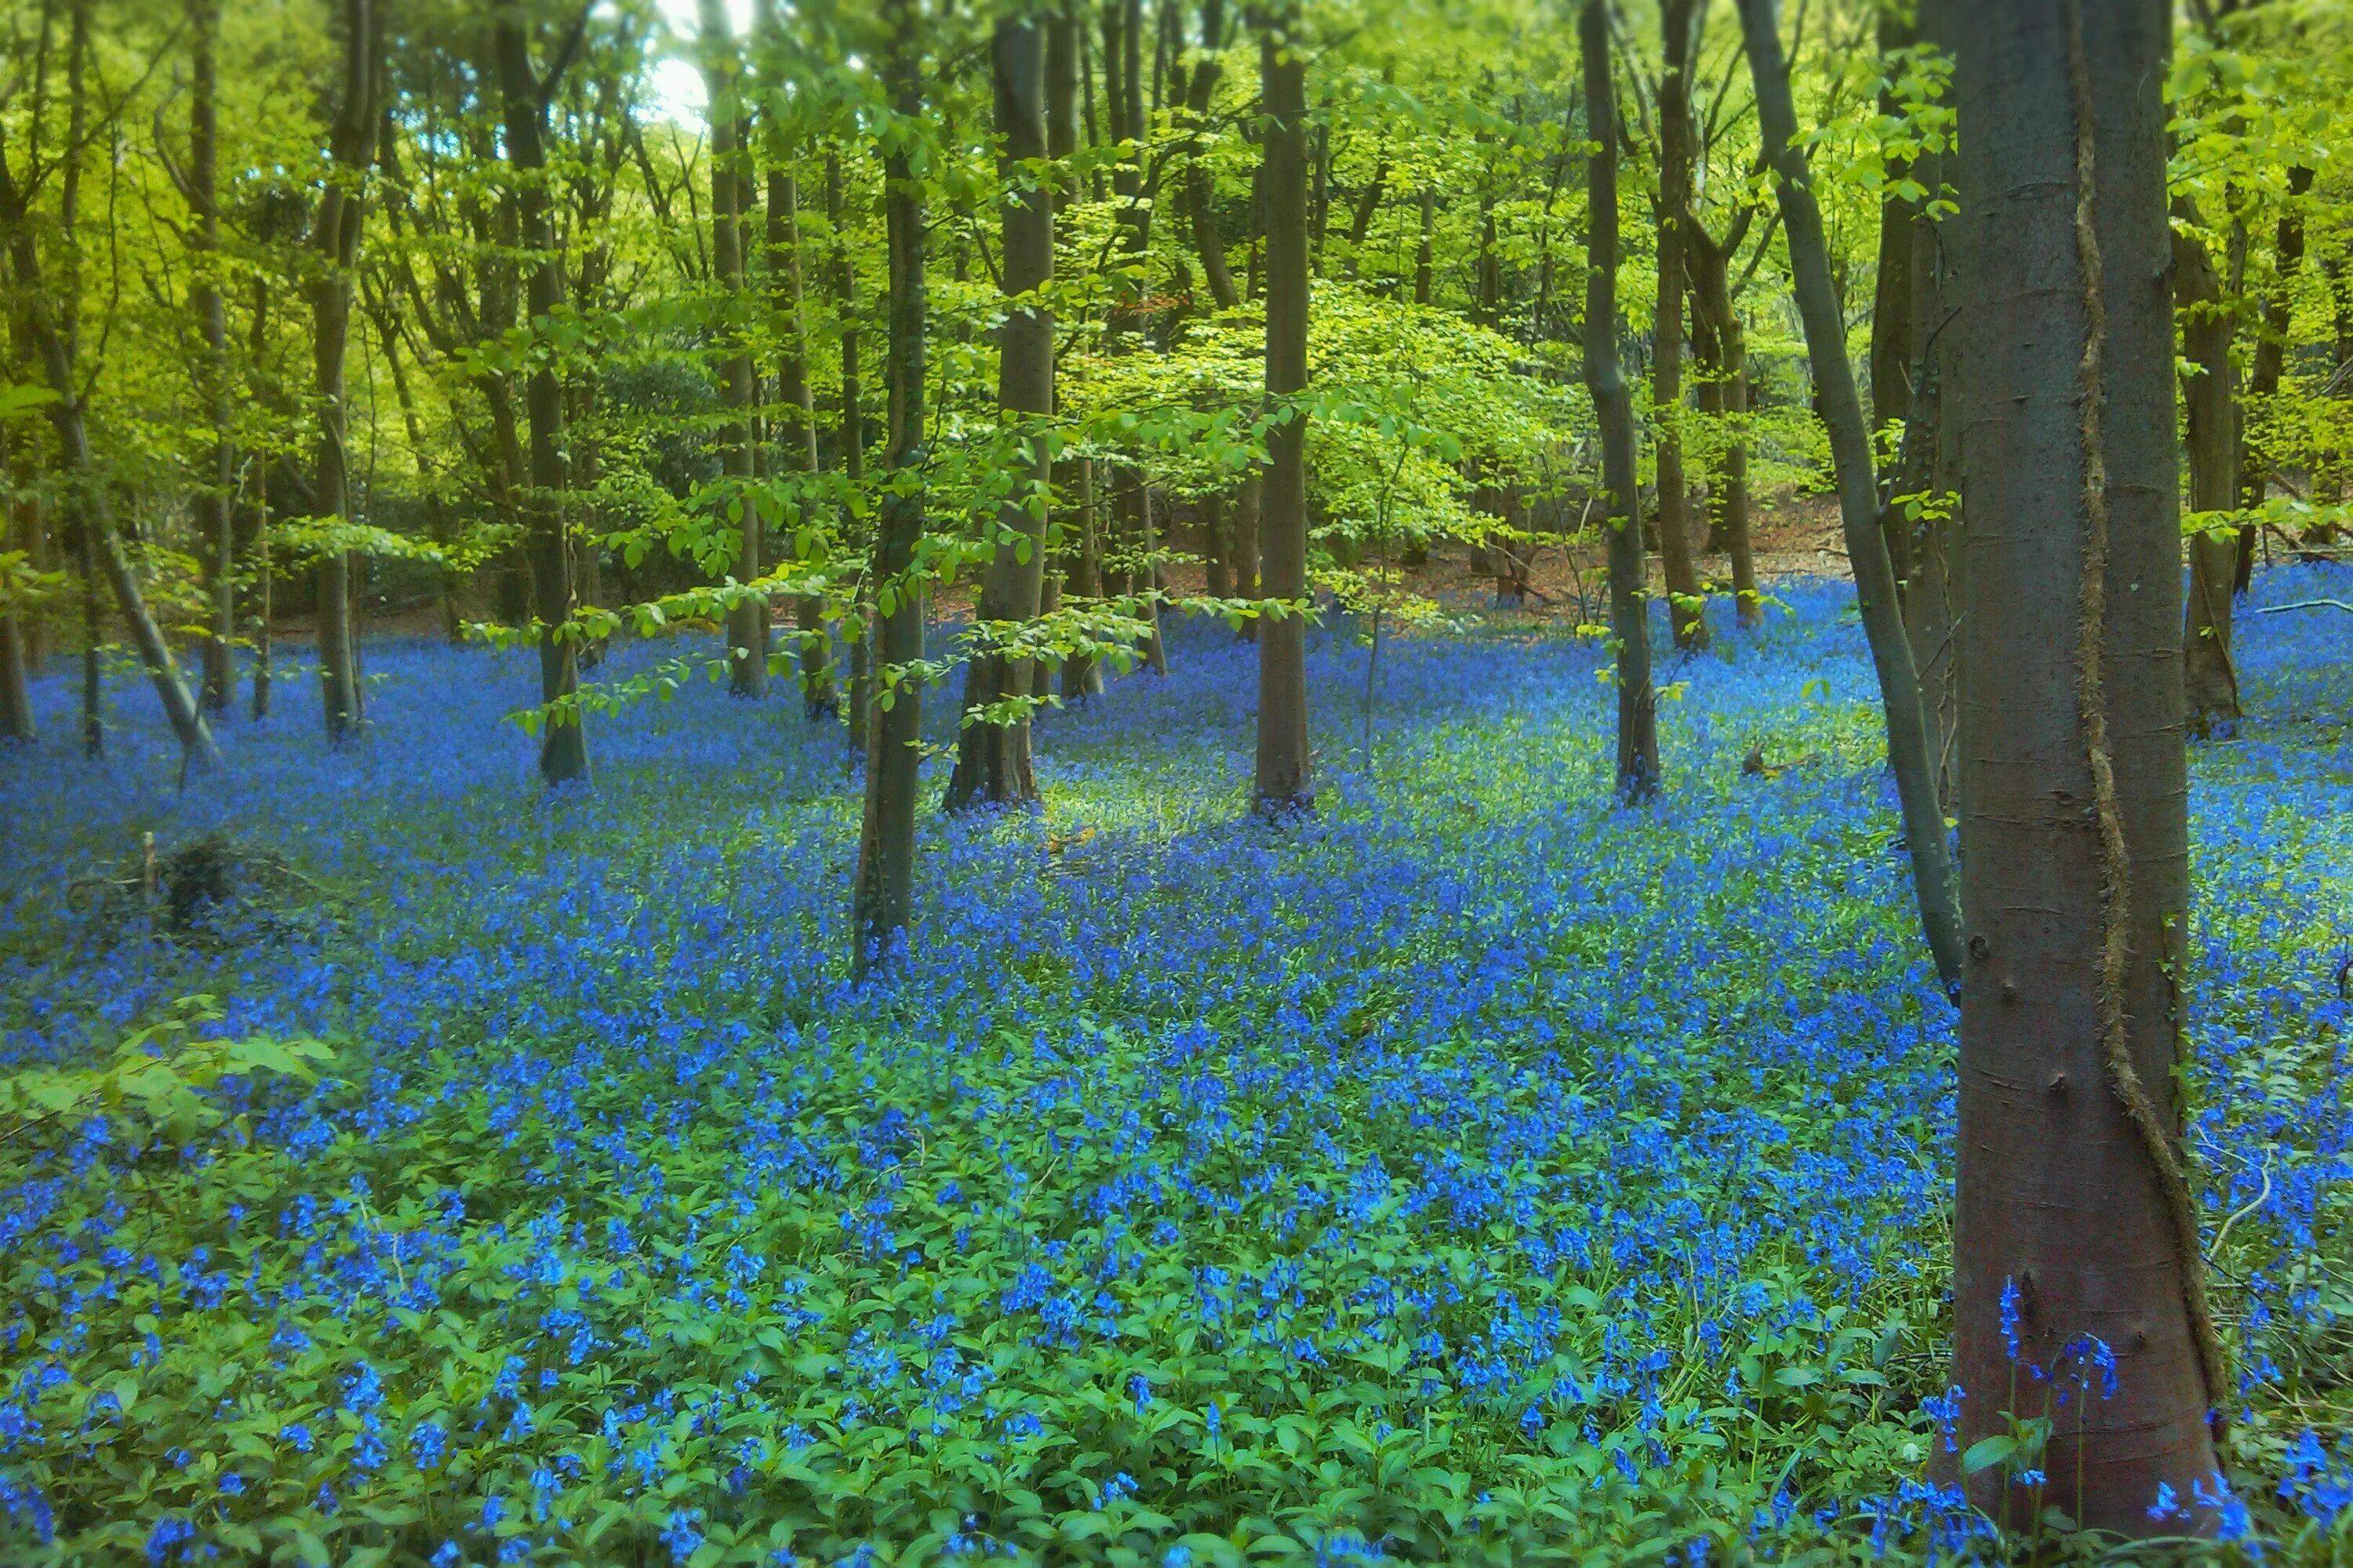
[{"x": 1176, "y": 783}]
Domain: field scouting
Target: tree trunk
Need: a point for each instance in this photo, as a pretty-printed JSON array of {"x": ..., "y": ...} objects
[
  {"x": 1728, "y": 486},
  {"x": 993, "y": 760},
  {"x": 1874, "y": 579},
  {"x": 1892, "y": 339},
  {"x": 335, "y": 233},
  {"x": 564, "y": 737},
  {"x": 1422, "y": 254},
  {"x": 1249, "y": 496},
  {"x": 1932, "y": 450},
  {"x": 215, "y": 511},
  {"x": 851, "y": 439},
  {"x": 2270, "y": 365},
  {"x": 2210, "y": 675},
  {"x": 1687, "y": 610},
  {"x": 795, "y": 431},
  {"x": 2073, "y": 1226},
  {"x": 883, "y": 899},
  {"x": 17, "y": 654},
  {"x": 263, "y": 584},
  {"x": 1200, "y": 191},
  {"x": 748, "y": 653},
  {"x": 101, "y": 552},
  {"x": 1629, "y": 616},
  {"x": 1285, "y": 780}
]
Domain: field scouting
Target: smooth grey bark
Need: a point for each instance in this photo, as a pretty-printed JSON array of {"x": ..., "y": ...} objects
[
  {"x": 1892, "y": 340},
  {"x": 1074, "y": 477},
  {"x": 564, "y": 737},
  {"x": 747, "y": 649},
  {"x": 1630, "y": 618},
  {"x": 1285, "y": 780},
  {"x": 1200, "y": 191},
  {"x": 882, "y": 903},
  {"x": 1908, "y": 754},
  {"x": 993, "y": 760},
  {"x": 851, "y": 440},
  {"x": 1686, "y": 611},
  {"x": 335, "y": 235},
  {"x": 2070, "y": 1201},
  {"x": 794, "y": 432}
]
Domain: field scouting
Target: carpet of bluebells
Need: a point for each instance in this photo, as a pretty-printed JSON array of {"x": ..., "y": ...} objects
[{"x": 1476, "y": 1171}]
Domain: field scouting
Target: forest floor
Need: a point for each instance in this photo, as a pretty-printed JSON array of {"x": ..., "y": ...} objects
[{"x": 1476, "y": 1170}]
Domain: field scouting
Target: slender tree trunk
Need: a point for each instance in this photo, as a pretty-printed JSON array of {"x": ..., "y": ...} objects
[
  {"x": 101, "y": 552},
  {"x": 264, "y": 584},
  {"x": 336, "y": 230},
  {"x": 747, "y": 653},
  {"x": 1200, "y": 188},
  {"x": 2073, "y": 1226},
  {"x": 1687, "y": 610},
  {"x": 564, "y": 739},
  {"x": 15, "y": 651},
  {"x": 1423, "y": 251},
  {"x": 2210, "y": 676},
  {"x": 795, "y": 432},
  {"x": 1874, "y": 579},
  {"x": 2270, "y": 365},
  {"x": 1285, "y": 780},
  {"x": 852, "y": 442},
  {"x": 1081, "y": 580},
  {"x": 214, "y": 510},
  {"x": 884, "y": 895},
  {"x": 1248, "y": 499},
  {"x": 1630, "y": 618},
  {"x": 1728, "y": 486},
  {"x": 1891, "y": 341},
  {"x": 993, "y": 761}
]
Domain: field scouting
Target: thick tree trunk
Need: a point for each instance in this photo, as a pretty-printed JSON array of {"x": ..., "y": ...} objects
[
  {"x": 747, "y": 651},
  {"x": 1687, "y": 610},
  {"x": 2210, "y": 675},
  {"x": 2073, "y": 1228},
  {"x": 1874, "y": 579},
  {"x": 564, "y": 737},
  {"x": 214, "y": 509},
  {"x": 1285, "y": 780},
  {"x": 993, "y": 759},
  {"x": 335, "y": 234},
  {"x": 883, "y": 899},
  {"x": 1630, "y": 615}
]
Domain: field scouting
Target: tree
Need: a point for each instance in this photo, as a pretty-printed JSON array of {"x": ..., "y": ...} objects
[
  {"x": 202, "y": 187},
  {"x": 992, "y": 762},
  {"x": 335, "y": 234},
  {"x": 1613, "y": 405},
  {"x": 2075, "y": 1240},
  {"x": 1908, "y": 756},
  {"x": 524, "y": 94},
  {"x": 55, "y": 342},
  {"x": 1687, "y": 612},
  {"x": 882, "y": 903},
  {"x": 1285, "y": 779},
  {"x": 739, "y": 393}
]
